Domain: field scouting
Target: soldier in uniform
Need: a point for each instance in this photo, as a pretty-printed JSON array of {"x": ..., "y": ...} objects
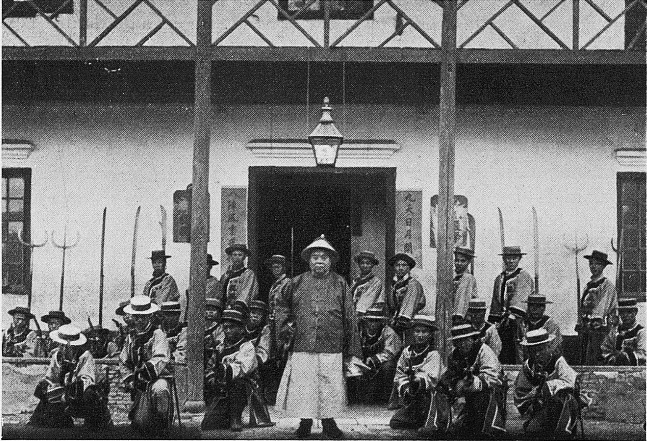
[
  {"x": 100, "y": 344},
  {"x": 14, "y": 340},
  {"x": 625, "y": 345},
  {"x": 487, "y": 331},
  {"x": 464, "y": 283},
  {"x": 174, "y": 329},
  {"x": 214, "y": 287},
  {"x": 226, "y": 375},
  {"x": 367, "y": 289},
  {"x": 406, "y": 296},
  {"x": 161, "y": 287},
  {"x": 511, "y": 288},
  {"x": 597, "y": 310},
  {"x": 416, "y": 379},
  {"x": 273, "y": 369},
  {"x": 544, "y": 390},
  {"x": 144, "y": 366},
  {"x": 239, "y": 282},
  {"x": 126, "y": 327},
  {"x": 475, "y": 374},
  {"x": 534, "y": 319},
  {"x": 381, "y": 347},
  {"x": 69, "y": 388},
  {"x": 43, "y": 345}
]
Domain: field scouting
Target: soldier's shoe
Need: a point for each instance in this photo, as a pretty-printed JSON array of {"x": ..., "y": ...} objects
[
  {"x": 235, "y": 424},
  {"x": 304, "y": 430},
  {"x": 330, "y": 429}
]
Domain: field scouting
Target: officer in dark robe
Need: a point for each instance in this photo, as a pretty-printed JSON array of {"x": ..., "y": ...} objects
[
  {"x": 14, "y": 340},
  {"x": 625, "y": 345},
  {"x": 239, "y": 282}
]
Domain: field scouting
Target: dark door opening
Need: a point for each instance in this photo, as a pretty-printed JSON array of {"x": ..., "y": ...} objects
[{"x": 289, "y": 207}]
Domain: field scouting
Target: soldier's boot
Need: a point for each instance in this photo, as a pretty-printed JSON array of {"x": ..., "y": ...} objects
[
  {"x": 330, "y": 429},
  {"x": 305, "y": 428}
]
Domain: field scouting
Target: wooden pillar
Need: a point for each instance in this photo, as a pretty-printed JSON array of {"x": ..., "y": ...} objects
[
  {"x": 199, "y": 210},
  {"x": 446, "y": 135}
]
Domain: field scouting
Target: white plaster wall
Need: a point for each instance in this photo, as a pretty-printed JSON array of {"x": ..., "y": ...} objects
[
  {"x": 558, "y": 159},
  {"x": 426, "y": 13}
]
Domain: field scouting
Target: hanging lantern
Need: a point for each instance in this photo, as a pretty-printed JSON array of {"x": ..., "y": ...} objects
[{"x": 325, "y": 138}]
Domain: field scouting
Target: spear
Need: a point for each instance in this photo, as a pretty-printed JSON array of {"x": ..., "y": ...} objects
[
  {"x": 101, "y": 276},
  {"x": 501, "y": 233},
  {"x": 65, "y": 246},
  {"x": 536, "y": 248},
  {"x": 134, "y": 253}
]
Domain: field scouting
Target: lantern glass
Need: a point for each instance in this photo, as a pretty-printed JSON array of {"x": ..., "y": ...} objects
[{"x": 326, "y": 153}]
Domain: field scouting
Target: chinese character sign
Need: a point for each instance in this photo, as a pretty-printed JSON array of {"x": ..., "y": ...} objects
[
  {"x": 233, "y": 213},
  {"x": 408, "y": 224},
  {"x": 464, "y": 223},
  {"x": 182, "y": 216}
]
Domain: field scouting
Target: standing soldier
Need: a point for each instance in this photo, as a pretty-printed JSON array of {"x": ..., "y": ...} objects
[
  {"x": 69, "y": 388},
  {"x": 487, "y": 331},
  {"x": 406, "y": 297},
  {"x": 367, "y": 289},
  {"x": 474, "y": 373},
  {"x": 43, "y": 345},
  {"x": 535, "y": 319},
  {"x": 239, "y": 282},
  {"x": 625, "y": 346},
  {"x": 544, "y": 390},
  {"x": 598, "y": 309},
  {"x": 144, "y": 367},
  {"x": 321, "y": 307},
  {"x": 14, "y": 340},
  {"x": 511, "y": 288},
  {"x": 214, "y": 287},
  {"x": 464, "y": 283},
  {"x": 161, "y": 287}
]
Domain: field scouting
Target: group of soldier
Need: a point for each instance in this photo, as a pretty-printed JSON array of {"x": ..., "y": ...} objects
[{"x": 318, "y": 343}]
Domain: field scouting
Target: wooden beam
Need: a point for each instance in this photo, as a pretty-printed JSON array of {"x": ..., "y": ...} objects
[
  {"x": 199, "y": 211},
  {"x": 446, "y": 140}
]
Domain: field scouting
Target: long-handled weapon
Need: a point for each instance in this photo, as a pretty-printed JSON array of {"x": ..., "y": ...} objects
[
  {"x": 577, "y": 248},
  {"x": 134, "y": 253},
  {"x": 619, "y": 260},
  {"x": 535, "y": 231},
  {"x": 31, "y": 246},
  {"x": 65, "y": 246},
  {"x": 163, "y": 223},
  {"x": 501, "y": 233},
  {"x": 101, "y": 276}
]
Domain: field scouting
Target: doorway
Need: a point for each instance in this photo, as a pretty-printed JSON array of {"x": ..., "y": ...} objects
[{"x": 289, "y": 207}]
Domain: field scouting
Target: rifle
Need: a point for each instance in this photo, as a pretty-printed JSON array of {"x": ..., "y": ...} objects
[{"x": 411, "y": 374}]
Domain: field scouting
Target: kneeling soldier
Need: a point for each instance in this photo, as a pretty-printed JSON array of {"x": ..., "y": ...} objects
[
  {"x": 227, "y": 373},
  {"x": 144, "y": 364},
  {"x": 68, "y": 389},
  {"x": 474, "y": 372},
  {"x": 419, "y": 369},
  {"x": 534, "y": 319},
  {"x": 625, "y": 346},
  {"x": 544, "y": 390},
  {"x": 258, "y": 332}
]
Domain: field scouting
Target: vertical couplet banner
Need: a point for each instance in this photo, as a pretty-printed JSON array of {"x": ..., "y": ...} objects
[
  {"x": 408, "y": 224},
  {"x": 233, "y": 213}
]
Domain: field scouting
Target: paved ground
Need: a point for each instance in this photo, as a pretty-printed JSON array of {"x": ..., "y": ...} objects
[{"x": 362, "y": 422}]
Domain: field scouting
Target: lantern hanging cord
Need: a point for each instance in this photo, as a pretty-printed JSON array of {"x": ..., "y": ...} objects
[
  {"x": 343, "y": 95},
  {"x": 308, "y": 94}
]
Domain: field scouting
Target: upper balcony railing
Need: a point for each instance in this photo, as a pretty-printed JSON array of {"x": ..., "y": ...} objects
[{"x": 564, "y": 25}]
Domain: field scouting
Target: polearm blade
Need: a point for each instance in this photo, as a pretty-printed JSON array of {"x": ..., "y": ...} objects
[
  {"x": 535, "y": 232},
  {"x": 501, "y": 233},
  {"x": 134, "y": 254},
  {"x": 101, "y": 275},
  {"x": 163, "y": 224}
]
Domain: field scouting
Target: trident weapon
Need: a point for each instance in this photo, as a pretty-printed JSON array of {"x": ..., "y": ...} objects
[
  {"x": 134, "y": 254},
  {"x": 103, "y": 249},
  {"x": 163, "y": 223},
  {"x": 618, "y": 251},
  {"x": 31, "y": 246},
  {"x": 535, "y": 228},
  {"x": 576, "y": 249},
  {"x": 501, "y": 233},
  {"x": 64, "y": 247}
]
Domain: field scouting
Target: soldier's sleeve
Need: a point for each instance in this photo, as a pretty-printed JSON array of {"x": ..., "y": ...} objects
[
  {"x": 494, "y": 341},
  {"x": 635, "y": 351},
  {"x": 432, "y": 369},
  {"x": 380, "y": 296},
  {"x": 169, "y": 291},
  {"x": 179, "y": 355},
  {"x": 608, "y": 346},
  {"x": 609, "y": 302},
  {"x": 553, "y": 329},
  {"x": 523, "y": 392},
  {"x": 53, "y": 369},
  {"x": 30, "y": 345},
  {"x": 464, "y": 292},
  {"x": 161, "y": 356},
  {"x": 413, "y": 301},
  {"x": 247, "y": 287},
  {"x": 352, "y": 344},
  {"x": 392, "y": 345},
  {"x": 244, "y": 362},
  {"x": 525, "y": 288},
  {"x": 401, "y": 378},
  {"x": 263, "y": 347},
  {"x": 86, "y": 370},
  {"x": 565, "y": 378},
  {"x": 126, "y": 365},
  {"x": 495, "y": 305},
  {"x": 284, "y": 315},
  {"x": 146, "y": 290},
  {"x": 490, "y": 370}
]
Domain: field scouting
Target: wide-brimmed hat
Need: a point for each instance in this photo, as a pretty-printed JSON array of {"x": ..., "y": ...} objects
[
  {"x": 60, "y": 315},
  {"x": 141, "y": 305},
  {"x": 374, "y": 313},
  {"x": 276, "y": 258},
  {"x": 537, "y": 300},
  {"x": 210, "y": 261},
  {"x": 213, "y": 303},
  {"x": 21, "y": 310},
  {"x": 259, "y": 305},
  {"x": 237, "y": 247},
  {"x": 599, "y": 256},
  {"x": 424, "y": 320},
  {"x": 321, "y": 243},
  {"x": 370, "y": 255},
  {"x": 68, "y": 334},
  {"x": 537, "y": 337},
  {"x": 519, "y": 312},
  {"x": 122, "y": 305},
  {"x": 170, "y": 308},
  {"x": 627, "y": 304},
  {"x": 233, "y": 315},
  {"x": 402, "y": 256},
  {"x": 241, "y": 306},
  {"x": 468, "y": 252},
  {"x": 513, "y": 250},
  {"x": 463, "y": 331},
  {"x": 158, "y": 254},
  {"x": 477, "y": 304}
]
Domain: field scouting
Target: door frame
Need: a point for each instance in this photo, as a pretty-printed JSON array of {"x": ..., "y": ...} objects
[{"x": 258, "y": 173}]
